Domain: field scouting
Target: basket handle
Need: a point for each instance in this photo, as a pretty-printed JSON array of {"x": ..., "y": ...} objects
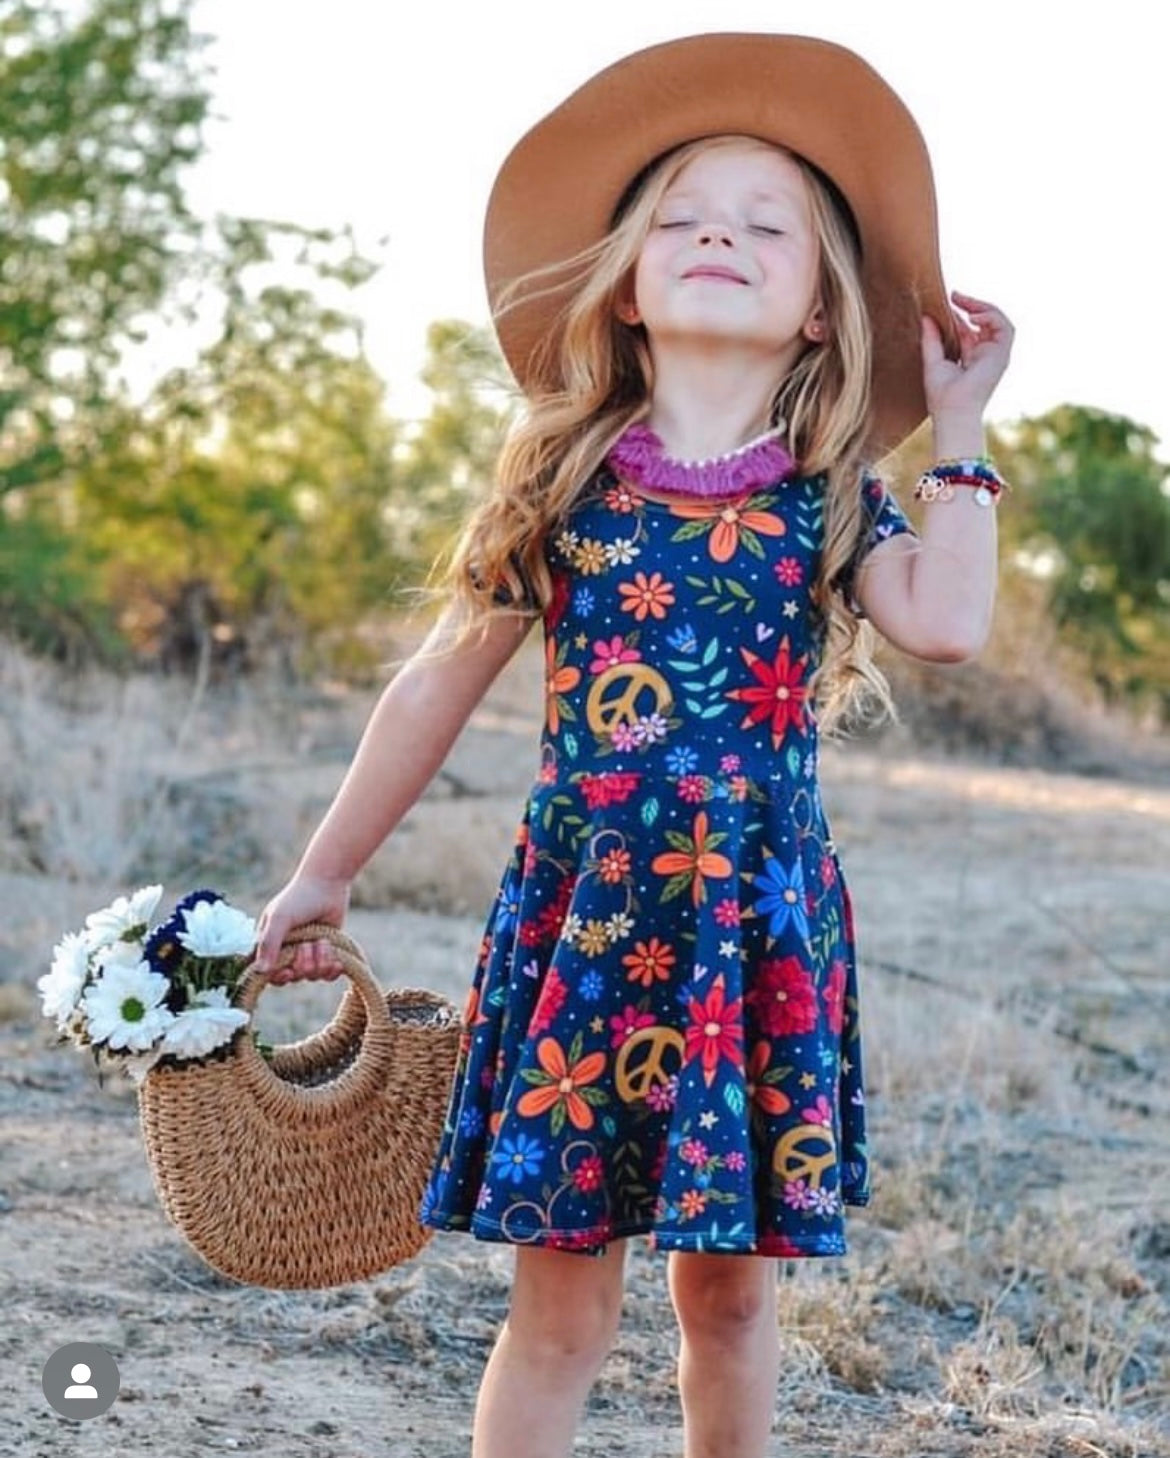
[{"x": 367, "y": 1074}]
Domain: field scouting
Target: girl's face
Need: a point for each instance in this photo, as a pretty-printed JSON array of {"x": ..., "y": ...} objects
[{"x": 731, "y": 257}]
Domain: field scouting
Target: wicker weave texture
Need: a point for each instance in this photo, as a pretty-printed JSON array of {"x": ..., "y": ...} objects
[{"x": 307, "y": 1171}]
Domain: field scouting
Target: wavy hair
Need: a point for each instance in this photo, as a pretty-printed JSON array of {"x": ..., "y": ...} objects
[{"x": 604, "y": 380}]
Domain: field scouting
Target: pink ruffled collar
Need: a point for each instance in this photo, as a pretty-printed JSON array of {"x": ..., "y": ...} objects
[{"x": 638, "y": 459}]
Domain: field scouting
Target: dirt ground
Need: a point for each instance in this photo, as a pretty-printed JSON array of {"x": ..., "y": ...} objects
[{"x": 1008, "y": 1291}]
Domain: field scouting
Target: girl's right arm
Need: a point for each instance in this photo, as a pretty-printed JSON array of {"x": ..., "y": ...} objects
[{"x": 414, "y": 724}]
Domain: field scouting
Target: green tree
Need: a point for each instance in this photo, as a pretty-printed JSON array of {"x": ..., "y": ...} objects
[{"x": 1092, "y": 517}]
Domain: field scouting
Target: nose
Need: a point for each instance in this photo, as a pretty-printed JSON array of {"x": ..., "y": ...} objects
[{"x": 715, "y": 235}]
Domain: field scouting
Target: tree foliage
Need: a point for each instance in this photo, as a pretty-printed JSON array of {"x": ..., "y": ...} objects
[{"x": 1092, "y": 510}]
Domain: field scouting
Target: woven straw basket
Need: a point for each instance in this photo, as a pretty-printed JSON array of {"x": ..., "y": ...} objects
[{"x": 307, "y": 1170}]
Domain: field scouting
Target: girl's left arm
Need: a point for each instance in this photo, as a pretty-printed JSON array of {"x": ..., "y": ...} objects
[{"x": 933, "y": 596}]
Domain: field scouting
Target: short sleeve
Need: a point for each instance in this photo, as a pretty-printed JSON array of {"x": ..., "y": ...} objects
[{"x": 882, "y": 518}]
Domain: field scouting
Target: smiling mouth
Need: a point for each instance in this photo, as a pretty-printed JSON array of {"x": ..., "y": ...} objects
[{"x": 724, "y": 275}]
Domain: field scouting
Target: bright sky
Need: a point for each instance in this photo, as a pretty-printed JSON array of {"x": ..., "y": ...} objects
[{"x": 1047, "y": 133}]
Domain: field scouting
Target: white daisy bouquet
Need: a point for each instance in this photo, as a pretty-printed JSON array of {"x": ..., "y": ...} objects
[{"x": 137, "y": 997}]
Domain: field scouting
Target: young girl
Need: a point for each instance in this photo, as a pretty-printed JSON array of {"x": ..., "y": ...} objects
[{"x": 714, "y": 272}]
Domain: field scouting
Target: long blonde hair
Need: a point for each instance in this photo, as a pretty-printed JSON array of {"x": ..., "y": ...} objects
[{"x": 605, "y": 379}]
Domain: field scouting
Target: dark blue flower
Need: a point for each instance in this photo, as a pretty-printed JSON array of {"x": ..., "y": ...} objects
[
  {"x": 682, "y": 759},
  {"x": 683, "y": 639}
]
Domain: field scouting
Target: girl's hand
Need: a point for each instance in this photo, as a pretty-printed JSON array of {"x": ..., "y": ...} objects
[
  {"x": 305, "y": 899},
  {"x": 962, "y": 387}
]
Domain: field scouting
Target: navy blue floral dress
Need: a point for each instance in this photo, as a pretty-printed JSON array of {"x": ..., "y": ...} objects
[{"x": 662, "y": 1034}]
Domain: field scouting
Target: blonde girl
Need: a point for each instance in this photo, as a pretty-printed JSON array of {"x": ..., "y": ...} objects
[{"x": 714, "y": 272}]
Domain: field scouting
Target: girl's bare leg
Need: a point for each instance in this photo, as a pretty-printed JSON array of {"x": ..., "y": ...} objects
[
  {"x": 562, "y": 1320},
  {"x": 729, "y": 1352}
]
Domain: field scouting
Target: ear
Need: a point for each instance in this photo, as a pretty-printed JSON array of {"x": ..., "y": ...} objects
[
  {"x": 816, "y": 326},
  {"x": 627, "y": 312}
]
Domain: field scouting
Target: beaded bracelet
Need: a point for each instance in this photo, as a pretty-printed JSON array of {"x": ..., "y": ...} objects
[{"x": 939, "y": 482}]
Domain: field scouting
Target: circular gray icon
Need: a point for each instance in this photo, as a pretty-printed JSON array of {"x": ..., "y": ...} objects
[{"x": 81, "y": 1380}]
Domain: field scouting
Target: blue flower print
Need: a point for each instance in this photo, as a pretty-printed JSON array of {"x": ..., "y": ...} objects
[
  {"x": 583, "y": 601},
  {"x": 682, "y": 759},
  {"x": 592, "y": 985},
  {"x": 471, "y": 1121},
  {"x": 782, "y": 898},
  {"x": 519, "y": 1159},
  {"x": 683, "y": 639}
]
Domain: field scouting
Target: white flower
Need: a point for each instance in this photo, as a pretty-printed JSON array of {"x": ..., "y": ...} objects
[
  {"x": 204, "y": 1026},
  {"x": 621, "y": 552},
  {"x": 61, "y": 986},
  {"x": 215, "y": 929},
  {"x": 125, "y": 1007},
  {"x": 619, "y": 925},
  {"x": 103, "y": 928},
  {"x": 118, "y": 954}
]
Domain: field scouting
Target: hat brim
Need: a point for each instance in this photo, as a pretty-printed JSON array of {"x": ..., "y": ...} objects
[{"x": 556, "y": 192}]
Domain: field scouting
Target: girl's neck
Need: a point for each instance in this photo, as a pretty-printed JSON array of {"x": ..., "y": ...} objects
[{"x": 702, "y": 408}]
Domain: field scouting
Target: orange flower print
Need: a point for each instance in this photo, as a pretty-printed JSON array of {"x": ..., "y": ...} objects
[
  {"x": 692, "y": 859},
  {"x": 558, "y": 680},
  {"x": 649, "y": 962},
  {"x": 613, "y": 865},
  {"x": 715, "y": 1031},
  {"x": 691, "y": 1204},
  {"x": 562, "y": 1085},
  {"x": 646, "y": 596},
  {"x": 731, "y": 524},
  {"x": 778, "y": 693}
]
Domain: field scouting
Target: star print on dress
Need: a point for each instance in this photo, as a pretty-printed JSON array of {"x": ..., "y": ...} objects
[{"x": 662, "y": 1036}]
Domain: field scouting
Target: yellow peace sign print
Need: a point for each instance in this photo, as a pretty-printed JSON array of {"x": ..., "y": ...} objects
[
  {"x": 624, "y": 693},
  {"x": 805, "y": 1153},
  {"x": 642, "y": 1062}
]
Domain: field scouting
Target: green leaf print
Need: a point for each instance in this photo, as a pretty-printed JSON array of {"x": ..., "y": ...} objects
[
  {"x": 676, "y": 886},
  {"x": 709, "y": 652},
  {"x": 792, "y": 760},
  {"x": 557, "y": 1122},
  {"x": 571, "y": 746},
  {"x": 691, "y": 529},
  {"x": 749, "y": 540},
  {"x": 733, "y": 1098},
  {"x": 650, "y": 810}
]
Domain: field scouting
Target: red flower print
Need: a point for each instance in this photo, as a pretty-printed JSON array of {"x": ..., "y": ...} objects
[
  {"x": 828, "y": 871},
  {"x": 613, "y": 787},
  {"x": 764, "y": 1096},
  {"x": 727, "y": 912},
  {"x": 607, "y": 655},
  {"x": 778, "y": 693},
  {"x": 649, "y": 962},
  {"x": 693, "y": 1151},
  {"x": 834, "y": 996},
  {"x": 626, "y": 1023},
  {"x": 715, "y": 1031},
  {"x": 646, "y": 596},
  {"x": 551, "y": 1000},
  {"x": 588, "y": 1174},
  {"x": 784, "y": 998},
  {"x": 693, "y": 789},
  {"x": 789, "y": 571}
]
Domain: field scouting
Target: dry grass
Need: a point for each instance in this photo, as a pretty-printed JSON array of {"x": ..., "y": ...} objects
[{"x": 1008, "y": 1289}]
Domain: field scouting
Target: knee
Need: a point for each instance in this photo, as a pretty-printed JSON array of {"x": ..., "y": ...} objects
[
  {"x": 565, "y": 1316},
  {"x": 722, "y": 1299}
]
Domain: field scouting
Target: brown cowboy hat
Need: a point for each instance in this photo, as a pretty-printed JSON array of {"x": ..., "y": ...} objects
[{"x": 558, "y": 188}]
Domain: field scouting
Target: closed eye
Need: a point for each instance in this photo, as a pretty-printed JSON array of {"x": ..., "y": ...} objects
[
  {"x": 766, "y": 229},
  {"x": 675, "y": 223}
]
